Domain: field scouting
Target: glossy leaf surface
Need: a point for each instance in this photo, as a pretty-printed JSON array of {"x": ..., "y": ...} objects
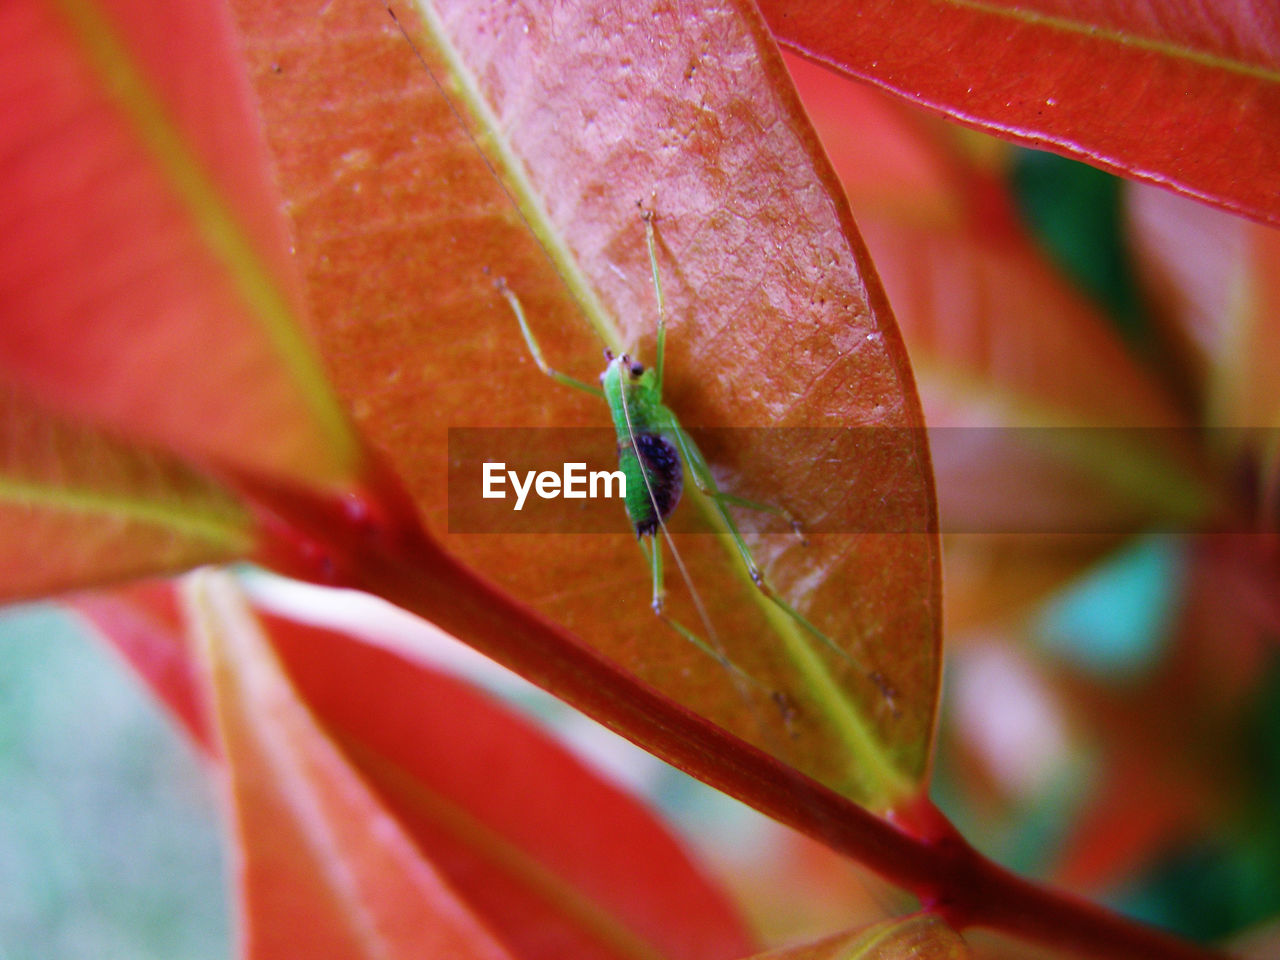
[
  {"x": 1182, "y": 94},
  {"x": 773, "y": 323}
]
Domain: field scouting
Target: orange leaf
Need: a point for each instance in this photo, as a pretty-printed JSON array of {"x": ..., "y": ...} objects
[{"x": 776, "y": 322}]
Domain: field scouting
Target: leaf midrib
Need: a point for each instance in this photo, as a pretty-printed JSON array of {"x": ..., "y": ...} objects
[{"x": 1117, "y": 36}]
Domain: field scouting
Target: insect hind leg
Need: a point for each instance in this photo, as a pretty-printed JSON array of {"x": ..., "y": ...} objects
[
  {"x": 653, "y": 554},
  {"x": 706, "y": 484},
  {"x": 718, "y": 495}
]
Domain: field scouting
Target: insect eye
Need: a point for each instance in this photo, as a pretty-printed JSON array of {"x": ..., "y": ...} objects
[{"x": 637, "y": 369}]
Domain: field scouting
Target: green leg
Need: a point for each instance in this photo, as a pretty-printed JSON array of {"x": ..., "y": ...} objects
[
  {"x": 706, "y": 484},
  {"x": 653, "y": 554},
  {"x": 660, "y": 348},
  {"x": 701, "y": 473},
  {"x": 535, "y": 350}
]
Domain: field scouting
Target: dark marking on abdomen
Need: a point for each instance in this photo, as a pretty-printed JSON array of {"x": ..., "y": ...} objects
[{"x": 661, "y": 463}]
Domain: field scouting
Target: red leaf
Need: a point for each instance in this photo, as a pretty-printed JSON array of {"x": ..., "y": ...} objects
[
  {"x": 1002, "y": 346},
  {"x": 556, "y": 861},
  {"x": 323, "y": 870},
  {"x": 1179, "y": 93},
  {"x": 144, "y": 278}
]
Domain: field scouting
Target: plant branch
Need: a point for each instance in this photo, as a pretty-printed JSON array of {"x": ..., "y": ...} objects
[{"x": 390, "y": 555}]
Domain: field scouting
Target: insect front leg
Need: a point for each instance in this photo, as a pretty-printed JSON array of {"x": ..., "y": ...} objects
[
  {"x": 660, "y": 348},
  {"x": 534, "y": 349}
]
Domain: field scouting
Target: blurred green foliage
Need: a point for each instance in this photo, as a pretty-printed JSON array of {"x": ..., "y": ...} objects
[
  {"x": 110, "y": 843},
  {"x": 1217, "y": 885},
  {"x": 1077, "y": 213}
]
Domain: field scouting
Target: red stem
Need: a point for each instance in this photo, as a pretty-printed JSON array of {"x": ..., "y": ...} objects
[{"x": 392, "y": 557}]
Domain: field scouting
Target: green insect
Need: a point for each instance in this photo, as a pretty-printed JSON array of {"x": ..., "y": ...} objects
[{"x": 653, "y": 452}]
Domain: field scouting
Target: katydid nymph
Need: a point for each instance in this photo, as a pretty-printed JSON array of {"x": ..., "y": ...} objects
[{"x": 653, "y": 452}]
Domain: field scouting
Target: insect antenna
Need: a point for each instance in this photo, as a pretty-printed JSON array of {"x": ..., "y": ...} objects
[
  {"x": 712, "y": 638},
  {"x": 462, "y": 123}
]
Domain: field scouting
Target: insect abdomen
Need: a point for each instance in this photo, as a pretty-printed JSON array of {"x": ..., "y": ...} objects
[{"x": 652, "y": 501}]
